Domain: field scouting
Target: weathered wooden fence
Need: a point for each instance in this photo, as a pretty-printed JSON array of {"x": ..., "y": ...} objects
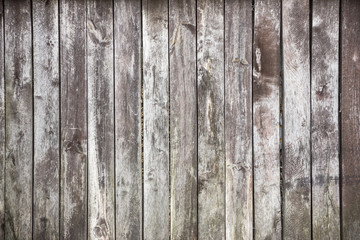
[{"x": 181, "y": 119}]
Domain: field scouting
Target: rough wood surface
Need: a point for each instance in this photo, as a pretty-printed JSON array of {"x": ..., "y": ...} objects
[
  {"x": 73, "y": 220},
  {"x": 19, "y": 120},
  {"x": 2, "y": 125},
  {"x": 350, "y": 118},
  {"x": 46, "y": 119},
  {"x": 101, "y": 196},
  {"x": 127, "y": 30},
  {"x": 183, "y": 119},
  {"x": 156, "y": 119},
  {"x": 238, "y": 119},
  {"x": 211, "y": 147},
  {"x": 325, "y": 128},
  {"x": 266, "y": 89},
  {"x": 296, "y": 60}
]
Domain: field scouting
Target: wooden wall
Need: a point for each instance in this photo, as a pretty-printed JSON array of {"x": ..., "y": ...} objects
[{"x": 168, "y": 119}]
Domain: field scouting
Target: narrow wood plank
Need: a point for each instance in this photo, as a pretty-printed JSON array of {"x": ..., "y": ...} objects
[
  {"x": 2, "y": 125},
  {"x": 266, "y": 89},
  {"x": 19, "y": 120},
  {"x": 296, "y": 60},
  {"x": 101, "y": 202},
  {"x": 325, "y": 128},
  {"x": 127, "y": 30},
  {"x": 156, "y": 119},
  {"x": 183, "y": 119},
  {"x": 350, "y": 118},
  {"x": 238, "y": 119},
  {"x": 46, "y": 119},
  {"x": 211, "y": 147},
  {"x": 73, "y": 219}
]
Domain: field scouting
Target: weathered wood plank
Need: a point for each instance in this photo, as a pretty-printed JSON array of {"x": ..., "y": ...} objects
[
  {"x": 238, "y": 119},
  {"x": 183, "y": 119},
  {"x": 211, "y": 147},
  {"x": 127, "y": 30},
  {"x": 325, "y": 129},
  {"x": 2, "y": 125},
  {"x": 19, "y": 120},
  {"x": 296, "y": 60},
  {"x": 101, "y": 208},
  {"x": 46, "y": 119},
  {"x": 73, "y": 219},
  {"x": 266, "y": 89},
  {"x": 350, "y": 118},
  {"x": 156, "y": 119}
]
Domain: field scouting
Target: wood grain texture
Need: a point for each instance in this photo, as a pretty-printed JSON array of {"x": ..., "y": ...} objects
[
  {"x": 2, "y": 125},
  {"x": 325, "y": 124},
  {"x": 350, "y": 118},
  {"x": 238, "y": 119},
  {"x": 19, "y": 120},
  {"x": 296, "y": 60},
  {"x": 183, "y": 119},
  {"x": 127, "y": 30},
  {"x": 46, "y": 119},
  {"x": 211, "y": 147},
  {"x": 266, "y": 89},
  {"x": 156, "y": 119},
  {"x": 73, "y": 219},
  {"x": 101, "y": 196}
]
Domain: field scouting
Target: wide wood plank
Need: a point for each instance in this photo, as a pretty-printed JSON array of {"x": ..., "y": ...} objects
[
  {"x": 238, "y": 119},
  {"x": 2, "y": 125},
  {"x": 46, "y": 119},
  {"x": 156, "y": 119},
  {"x": 350, "y": 118},
  {"x": 211, "y": 147},
  {"x": 73, "y": 218},
  {"x": 101, "y": 208},
  {"x": 325, "y": 128},
  {"x": 19, "y": 120},
  {"x": 183, "y": 119},
  {"x": 127, "y": 30},
  {"x": 296, "y": 165},
  {"x": 266, "y": 89}
]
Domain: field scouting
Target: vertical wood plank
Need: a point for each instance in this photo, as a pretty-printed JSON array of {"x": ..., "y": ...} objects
[
  {"x": 183, "y": 119},
  {"x": 100, "y": 119},
  {"x": 296, "y": 57},
  {"x": 238, "y": 119},
  {"x": 73, "y": 219},
  {"x": 46, "y": 119},
  {"x": 19, "y": 120},
  {"x": 211, "y": 147},
  {"x": 156, "y": 119},
  {"x": 350, "y": 118},
  {"x": 266, "y": 89},
  {"x": 127, "y": 29},
  {"x": 2, "y": 125},
  {"x": 325, "y": 129}
]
